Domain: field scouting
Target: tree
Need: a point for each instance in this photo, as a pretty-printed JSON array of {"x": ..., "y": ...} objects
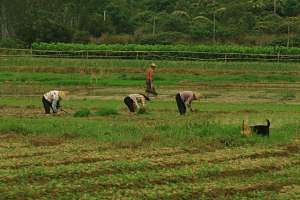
[{"x": 291, "y": 8}]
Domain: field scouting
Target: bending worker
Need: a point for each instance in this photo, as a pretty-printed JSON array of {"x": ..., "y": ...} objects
[
  {"x": 136, "y": 102},
  {"x": 52, "y": 100},
  {"x": 184, "y": 99},
  {"x": 150, "y": 89}
]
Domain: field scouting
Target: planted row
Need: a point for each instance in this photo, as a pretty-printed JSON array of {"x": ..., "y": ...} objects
[{"x": 169, "y": 48}]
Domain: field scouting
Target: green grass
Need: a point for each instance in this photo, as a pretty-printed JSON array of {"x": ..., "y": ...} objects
[
  {"x": 108, "y": 152},
  {"x": 130, "y": 73},
  {"x": 35, "y": 63},
  {"x": 114, "y": 123},
  {"x": 104, "y": 111},
  {"x": 131, "y": 80},
  {"x": 82, "y": 113}
]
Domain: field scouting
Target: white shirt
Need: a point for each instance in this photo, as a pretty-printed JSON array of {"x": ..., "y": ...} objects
[
  {"x": 138, "y": 99},
  {"x": 53, "y": 98}
]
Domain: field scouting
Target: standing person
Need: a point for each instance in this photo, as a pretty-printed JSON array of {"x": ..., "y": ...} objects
[
  {"x": 136, "y": 102},
  {"x": 184, "y": 99},
  {"x": 52, "y": 100},
  {"x": 150, "y": 89}
]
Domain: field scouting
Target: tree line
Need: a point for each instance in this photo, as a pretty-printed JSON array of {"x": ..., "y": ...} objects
[{"x": 247, "y": 22}]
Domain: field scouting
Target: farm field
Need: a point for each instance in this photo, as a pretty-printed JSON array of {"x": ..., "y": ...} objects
[{"x": 112, "y": 154}]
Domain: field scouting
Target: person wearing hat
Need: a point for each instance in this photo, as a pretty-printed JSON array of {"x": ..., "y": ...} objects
[
  {"x": 52, "y": 100},
  {"x": 184, "y": 99},
  {"x": 136, "y": 102},
  {"x": 150, "y": 89}
]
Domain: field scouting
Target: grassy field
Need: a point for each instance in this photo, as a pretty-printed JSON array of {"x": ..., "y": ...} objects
[{"x": 112, "y": 154}]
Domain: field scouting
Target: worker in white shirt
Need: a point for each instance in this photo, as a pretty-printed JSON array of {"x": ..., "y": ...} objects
[
  {"x": 51, "y": 100},
  {"x": 136, "y": 102}
]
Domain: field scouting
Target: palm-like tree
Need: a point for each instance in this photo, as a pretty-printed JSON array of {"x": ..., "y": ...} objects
[
  {"x": 277, "y": 4},
  {"x": 289, "y": 23}
]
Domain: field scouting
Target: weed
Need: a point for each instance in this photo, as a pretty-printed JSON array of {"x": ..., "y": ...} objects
[
  {"x": 142, "y": 112},
  {"x": 288, "y": 95},
  {"x": 150, "y": 138},
  {"x": 45, "y": 141},
  {"x": 106, "y": 111},
  {"x": 82, "y": 113}
]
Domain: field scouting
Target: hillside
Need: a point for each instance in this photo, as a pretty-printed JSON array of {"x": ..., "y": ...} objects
[{"x": 248, "y": 22}]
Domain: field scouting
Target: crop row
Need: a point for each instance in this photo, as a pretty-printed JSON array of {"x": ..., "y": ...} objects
[
  {"x": 209, "y": 177},
  {"x": 168, "y": 48},
  {"x": 69, "y": 158},
  {"x": 124, "y": 164},
  {"x": 166, "y": 52},
  {"x": 73, "y": 170}
]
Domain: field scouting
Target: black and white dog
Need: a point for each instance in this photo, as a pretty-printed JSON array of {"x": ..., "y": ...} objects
[{"x": 263, "y": 130}]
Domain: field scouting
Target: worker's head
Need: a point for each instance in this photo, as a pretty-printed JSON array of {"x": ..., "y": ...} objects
[
  {"x": 197, "y": 95},
  {"x": 153, "y": 66},
  {"x": 63, "y": 94}
]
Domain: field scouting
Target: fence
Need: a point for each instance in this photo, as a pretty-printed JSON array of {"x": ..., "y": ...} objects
[{"x": 149, "y": 55}]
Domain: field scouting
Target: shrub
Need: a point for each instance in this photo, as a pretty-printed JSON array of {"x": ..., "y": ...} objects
[
  {"x": 116, "y": 39},
  {"x": 163, "y": 38},
  {"x": 81, "y": 37},
  {"x": 82, "y": 113},
  {"x": 12, "y": 43}
]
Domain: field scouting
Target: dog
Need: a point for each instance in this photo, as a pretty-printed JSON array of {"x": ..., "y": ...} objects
[{"x": 263, "y": 130}]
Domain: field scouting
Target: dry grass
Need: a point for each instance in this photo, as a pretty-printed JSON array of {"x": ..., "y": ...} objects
[{"x": 45, "y": 141}]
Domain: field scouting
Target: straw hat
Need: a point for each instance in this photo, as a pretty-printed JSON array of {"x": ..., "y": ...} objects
[
  {"x": 62, "y": 94},
  {"x": 153, "y": 65}
]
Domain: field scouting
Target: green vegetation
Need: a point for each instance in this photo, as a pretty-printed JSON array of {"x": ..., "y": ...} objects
[
  {"x": 170, "y": 48},
  {"x": 127, "y": 73},
  {"x": 106, "y": 111},
  {"x": 244, "y": 22},
  {"x": 82, "y": 113}
]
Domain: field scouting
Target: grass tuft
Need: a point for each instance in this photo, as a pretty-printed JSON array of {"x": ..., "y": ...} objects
[
  {"x": 82, "y": 113},
  {"x": 106, "y": 112},
  {"x": 142, "y": 112}
]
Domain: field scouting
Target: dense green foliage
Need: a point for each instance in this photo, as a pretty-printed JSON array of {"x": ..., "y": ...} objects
[
  {"x": 168, "y": 48},
  {"x": 272, "y": 22},
  {"x": 82, "y": 113}
]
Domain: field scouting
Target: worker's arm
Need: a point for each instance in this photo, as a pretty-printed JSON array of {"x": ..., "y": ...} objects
[
  {"x": 136, "y": 103},
  {"x": 189, "y": 103},
  {"x": 58, "y": 106},
  {"x": 54, "y": 105},
  {"x": 142, "y": 103}
]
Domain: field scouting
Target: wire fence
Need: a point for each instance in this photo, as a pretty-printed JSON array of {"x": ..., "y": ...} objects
[{"x": 148, "y": 55}]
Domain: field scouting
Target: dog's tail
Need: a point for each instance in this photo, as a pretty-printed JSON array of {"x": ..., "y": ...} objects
[{"x": 269, "y": 123}]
